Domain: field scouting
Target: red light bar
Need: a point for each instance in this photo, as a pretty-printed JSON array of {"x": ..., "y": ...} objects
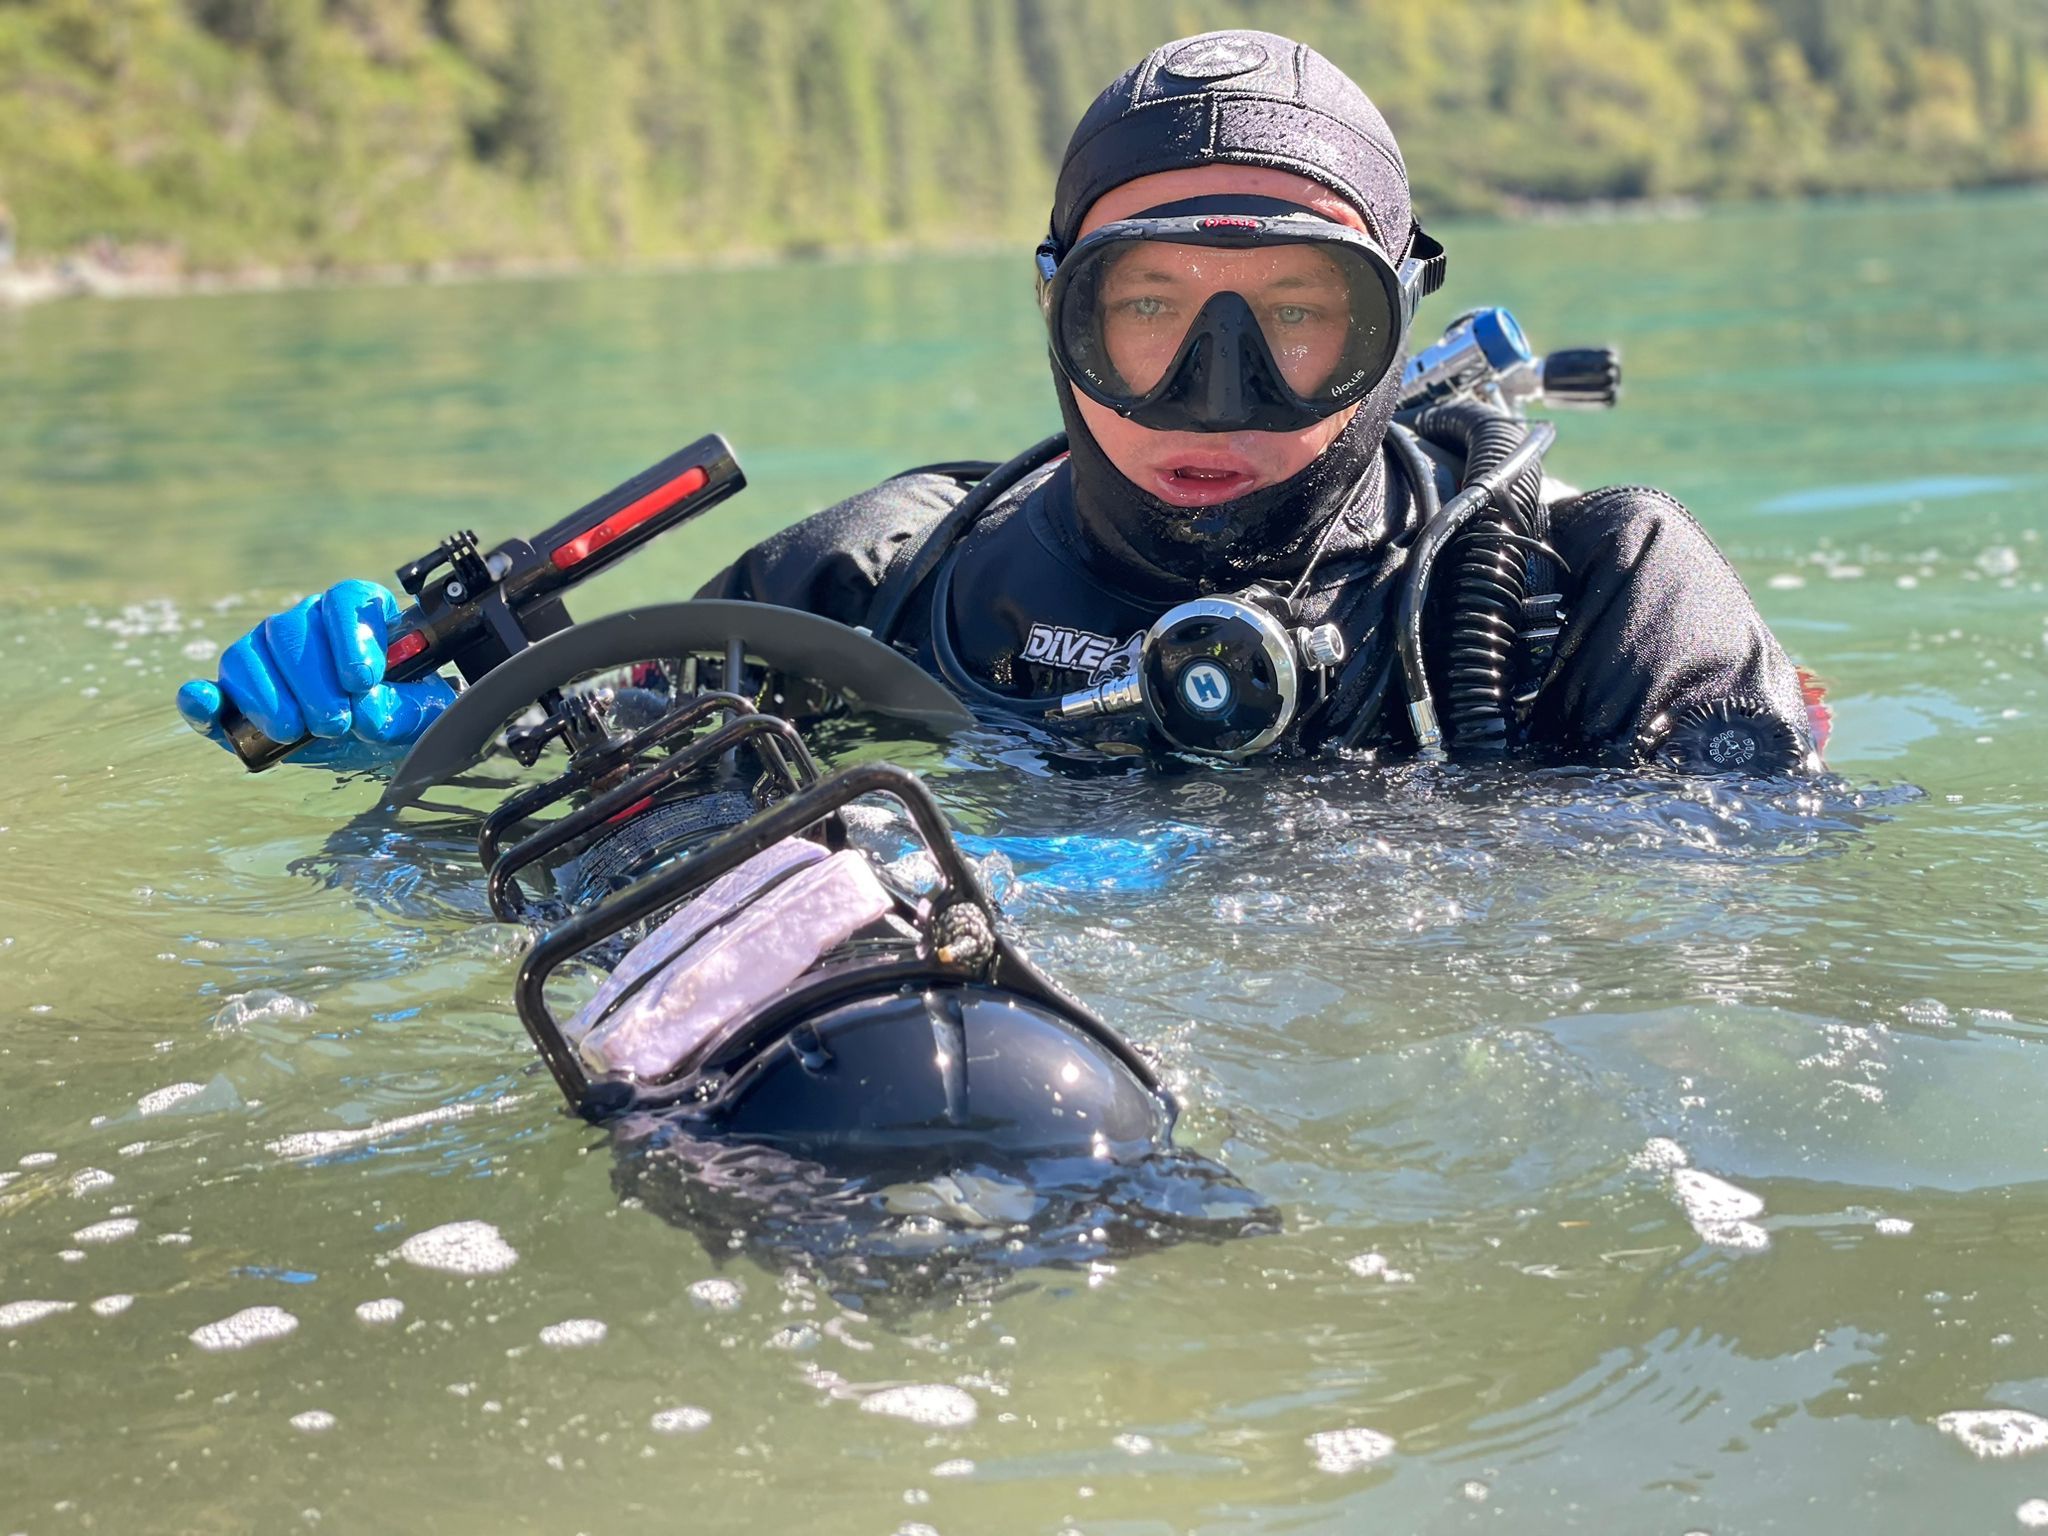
[
  {"x": 404, "y": 648},
  {"x": 626, "y": 519}
]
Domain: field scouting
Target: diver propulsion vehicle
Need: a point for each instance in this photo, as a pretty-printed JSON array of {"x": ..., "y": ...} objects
[{"x": 759, "y": 975}]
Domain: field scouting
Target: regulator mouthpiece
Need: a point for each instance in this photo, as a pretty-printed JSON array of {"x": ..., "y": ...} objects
[{"x": 1221, "y": 676}]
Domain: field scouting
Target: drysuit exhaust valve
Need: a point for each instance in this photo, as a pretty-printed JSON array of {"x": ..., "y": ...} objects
[{"x": 1218, "y": 675}]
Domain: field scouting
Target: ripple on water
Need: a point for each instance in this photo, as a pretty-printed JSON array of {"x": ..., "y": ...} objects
[
  {"x": 266, "y": 1003},
  {"x": 1348, "y": 1450},
  {"x": 1995, "y": 1433},
  {"x": 573, "y": 1333},
  {"x": 460, "y": 1248},
  {"x": 933, "y": 1405},
  {"x": 251, "y": 1325},
  {"x": 19, "y": 1314}
]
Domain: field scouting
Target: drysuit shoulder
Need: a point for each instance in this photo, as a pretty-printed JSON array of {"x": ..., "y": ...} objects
[
  {"x": 1659, "y": 636},
  {"x": 831, "y": 563}
]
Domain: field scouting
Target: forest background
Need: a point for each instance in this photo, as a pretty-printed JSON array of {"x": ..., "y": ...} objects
[{"x": 225, "y": 134}]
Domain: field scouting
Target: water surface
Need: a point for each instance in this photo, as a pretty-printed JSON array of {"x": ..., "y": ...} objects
[{"x": 1648, "y": 1160}]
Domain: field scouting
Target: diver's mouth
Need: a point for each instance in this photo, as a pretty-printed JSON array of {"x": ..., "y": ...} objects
[{"x": 1201, "y": 485}]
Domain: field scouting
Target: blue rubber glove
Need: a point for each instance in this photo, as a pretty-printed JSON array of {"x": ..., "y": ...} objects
[{"x": 318, "y": 668}]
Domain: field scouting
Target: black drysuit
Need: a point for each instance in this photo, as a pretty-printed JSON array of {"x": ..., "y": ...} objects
[{"x": 1657, "y": 630}]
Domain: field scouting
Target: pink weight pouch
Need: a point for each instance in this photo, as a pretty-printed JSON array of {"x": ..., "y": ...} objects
[{"x": 725, "y": 954}]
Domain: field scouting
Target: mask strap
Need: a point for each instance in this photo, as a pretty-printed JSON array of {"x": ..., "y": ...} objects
[{"x": 1423, "y": 272}]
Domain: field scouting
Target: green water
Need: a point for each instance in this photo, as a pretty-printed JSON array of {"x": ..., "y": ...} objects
[{"x": 1464, "y": 1025}]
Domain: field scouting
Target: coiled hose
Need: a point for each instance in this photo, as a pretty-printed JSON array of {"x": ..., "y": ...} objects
[{"x": 1489, "y": 572}]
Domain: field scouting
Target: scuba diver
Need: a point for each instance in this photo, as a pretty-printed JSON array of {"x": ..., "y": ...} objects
[{"x": 1264, "y": 527}]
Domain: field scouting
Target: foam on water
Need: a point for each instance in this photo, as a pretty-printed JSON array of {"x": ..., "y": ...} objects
[
  {"x": 386, "y": 1309},
  {"x": 325, "y": 1143},
  {"x": 158, "y": 1100},
  {"x": 573, "y": 1333},
  {"x": 679, "y": 1421},
  {"x": 251, "y": 1325},
  {"x": 2033, "y": 1514},
  {"x": 113, "y": 1306},
  {"x": 1892, "y": 1226},
  {"x": 1374, "y": 1266},
  {"x": 313, "y": 1421},
  {"x": 460, "y": 1248},
  {"x": 959, "y": 1466},
  {"x": 1995, "y": 1433},
  {"x": 1719, "y": 1211},
  {"x": 717, "y": 1294},
  {"x": 19, "y": 1314},
  {"x": 932, "y": 1405},
  {"x": 1348, "y": 1450},
  {"x": 86, "y": 1180},
  {"x": 38, "y": 1159},
  {"x": 107, "y": 1231}
]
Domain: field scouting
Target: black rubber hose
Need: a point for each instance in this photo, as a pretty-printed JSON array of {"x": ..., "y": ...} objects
[
  {"x": 899, "y": 583},
  {"x": 953, "y": 671},
  {"x": 1482, "y": 491},
  {"x": 1361, "y": 687},
  {"x": 1487, "y": 587}
]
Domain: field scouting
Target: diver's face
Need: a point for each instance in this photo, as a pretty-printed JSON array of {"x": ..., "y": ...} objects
[{"x": 1200, "y": 469}]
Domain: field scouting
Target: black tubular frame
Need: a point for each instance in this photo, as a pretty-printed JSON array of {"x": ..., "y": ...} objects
[
  {"x": 595, "y": 765},
  {"x": 671, "y": 886},
  {"x": 507, "y": 902}
]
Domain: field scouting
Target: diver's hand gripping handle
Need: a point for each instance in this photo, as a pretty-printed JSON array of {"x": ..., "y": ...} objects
[
  {"x": 490, "y": 606},
  {"x": 259, "y": 751}
]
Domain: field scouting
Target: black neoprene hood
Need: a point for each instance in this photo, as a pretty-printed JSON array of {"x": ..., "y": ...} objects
[{"x": 1237, "y": 98}]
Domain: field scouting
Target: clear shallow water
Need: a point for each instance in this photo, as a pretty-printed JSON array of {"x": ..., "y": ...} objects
[{"x": 1583, "y": 1101}]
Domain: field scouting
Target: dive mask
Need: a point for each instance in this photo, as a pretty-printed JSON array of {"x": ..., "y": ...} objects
[{"x": 1230, "y": 314}]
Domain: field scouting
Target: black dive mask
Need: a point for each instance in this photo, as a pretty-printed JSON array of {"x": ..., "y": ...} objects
[{"x": 1230, "y": 314}]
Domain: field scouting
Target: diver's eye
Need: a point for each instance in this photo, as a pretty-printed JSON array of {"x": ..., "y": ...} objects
[
  {"x": 1293, "y": 314},
  {"x": 1145, "y": 307}
]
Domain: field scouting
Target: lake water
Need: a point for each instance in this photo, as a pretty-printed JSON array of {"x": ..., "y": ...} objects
[{"x": 1649, "y": 1161}]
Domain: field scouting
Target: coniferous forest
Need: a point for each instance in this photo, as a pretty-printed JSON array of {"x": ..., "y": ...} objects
[{"x": 347, "y": 132}]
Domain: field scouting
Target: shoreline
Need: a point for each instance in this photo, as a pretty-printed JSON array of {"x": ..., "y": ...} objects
[
  {"x": 106, "y": 270},
  {"x": 116, "y": 272}
]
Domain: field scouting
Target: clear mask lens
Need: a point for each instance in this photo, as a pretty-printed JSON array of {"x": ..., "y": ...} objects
[{"x": 1147, "y": 296}]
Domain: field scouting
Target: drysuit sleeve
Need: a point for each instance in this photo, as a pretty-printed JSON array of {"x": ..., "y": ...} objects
[
  {"x": 831, "y": 562},
  {"x": 1663, "y": 659}
]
